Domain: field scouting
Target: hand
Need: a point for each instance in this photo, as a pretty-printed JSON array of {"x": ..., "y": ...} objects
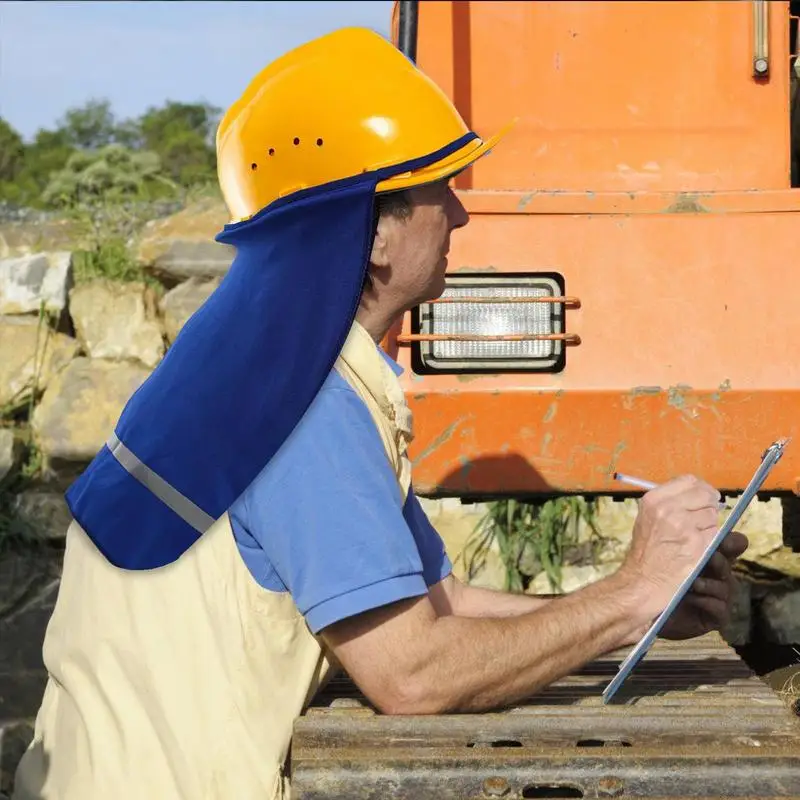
[
  {"x": 707, "y": 605},
  {"x": 676, "y": 522}
]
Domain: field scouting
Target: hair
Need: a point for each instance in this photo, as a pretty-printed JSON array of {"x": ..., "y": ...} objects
[{"x": 395, "y": 204}]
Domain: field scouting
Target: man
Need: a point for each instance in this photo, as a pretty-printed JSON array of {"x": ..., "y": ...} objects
[{"x": 252, "y": 519}]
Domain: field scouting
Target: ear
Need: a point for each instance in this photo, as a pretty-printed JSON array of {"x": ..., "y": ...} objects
[{"x": 380, "y": 244}]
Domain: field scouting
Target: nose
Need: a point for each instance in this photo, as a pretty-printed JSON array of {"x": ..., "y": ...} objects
[{"x": 456, "y": 212}]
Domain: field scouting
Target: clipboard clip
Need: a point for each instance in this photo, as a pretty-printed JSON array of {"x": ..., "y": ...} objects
[{"x": 777, "y": 448}]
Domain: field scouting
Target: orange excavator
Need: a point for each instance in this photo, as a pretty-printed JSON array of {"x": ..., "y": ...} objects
[
  {"x": 624, "y": 298},
  {"x": 626, "y": 295}
]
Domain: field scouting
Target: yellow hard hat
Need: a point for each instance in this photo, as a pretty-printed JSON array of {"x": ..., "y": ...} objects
[{"x": 341, "y": 105}]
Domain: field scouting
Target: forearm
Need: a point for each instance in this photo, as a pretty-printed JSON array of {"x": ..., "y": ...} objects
[
  {"x": 474, "y": 601},
  {"x": 473, "y": 664}
]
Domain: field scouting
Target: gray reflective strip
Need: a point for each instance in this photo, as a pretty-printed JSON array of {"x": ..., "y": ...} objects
[{"x": 164, "y": 491}]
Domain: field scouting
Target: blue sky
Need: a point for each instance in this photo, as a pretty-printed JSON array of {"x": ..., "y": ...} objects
[{"x": 56, "y": 55}]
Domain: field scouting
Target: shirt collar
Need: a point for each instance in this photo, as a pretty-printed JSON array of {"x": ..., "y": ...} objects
[{"x": 393, "y": 365}]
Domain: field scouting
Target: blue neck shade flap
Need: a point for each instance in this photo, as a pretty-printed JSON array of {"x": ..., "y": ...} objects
[{"x": 238, "y": 377}]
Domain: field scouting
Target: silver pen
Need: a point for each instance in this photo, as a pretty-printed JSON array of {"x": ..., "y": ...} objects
[{"x": 641, "y": 483}]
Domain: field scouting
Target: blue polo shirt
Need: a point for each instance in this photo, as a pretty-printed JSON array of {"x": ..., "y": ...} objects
[{"x": 325, "y": 519}]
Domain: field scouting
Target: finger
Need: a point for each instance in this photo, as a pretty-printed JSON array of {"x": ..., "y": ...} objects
[
  {"x": 718, "y": 567},
  {"x": 683, "y": 485},
  {"x": 713, "y": 607},
  {"x": 700, "y": 497},
  {"x": 708, "y": 587},
  {"x": 695, "y": 508},
  {"x": 734, "y": 545},
  {"x": 705, "y": 519}
]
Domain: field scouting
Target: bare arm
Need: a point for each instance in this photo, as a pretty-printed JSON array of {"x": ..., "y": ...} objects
[
  {"x": 706, "y": 606},
  {"x": 451, "y": 596},
  {"x": 409, "y": 659},
  {"x": 452, "y": 663}
]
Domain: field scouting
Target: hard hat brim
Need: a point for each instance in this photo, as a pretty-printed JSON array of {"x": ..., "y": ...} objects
[{"x": 447, "y": 167}]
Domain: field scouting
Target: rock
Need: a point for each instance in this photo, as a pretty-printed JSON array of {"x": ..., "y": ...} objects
[
  {"x": 19, "y": 357},
  {"x": 456, "y": 522},
  {"x": 29, "y": 580},
  {"x": 432, "y": 506},
  {"x": 572, "y": 578},
  {"x": 26, "y": 281},
  {"x": 182, "y": 245},
  {"x": 43, "y": 512},
  {"x": 24, "y": 237},
  {"x": 81, "y": 406},
  {"x": 737, "y": 631},
  {"x": 180, "y": 303},
  {"x": 14, "y": 740},
  {"x": 780, "y": 617},
  {"x": 181, "y": 260},
  {"x": 762, "y": 523},
  {"x": 491, "y": 575},
  {"x": 785, "y": 681},
  {"x": 6, "y": 452},
  {"x": 117, "y": 321}
]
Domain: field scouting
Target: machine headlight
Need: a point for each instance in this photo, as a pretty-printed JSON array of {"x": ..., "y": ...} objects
[{"x": 494, "y": 323}]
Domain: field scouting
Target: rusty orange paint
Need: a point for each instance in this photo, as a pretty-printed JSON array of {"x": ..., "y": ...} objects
[{"x": 651, "y": 170}]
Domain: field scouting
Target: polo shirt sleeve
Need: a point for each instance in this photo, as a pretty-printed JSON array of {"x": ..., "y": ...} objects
[{"x": 329, "y": 519}]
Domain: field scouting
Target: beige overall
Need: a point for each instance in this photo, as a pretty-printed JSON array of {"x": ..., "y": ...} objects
[{"x": 184, "y": 682}]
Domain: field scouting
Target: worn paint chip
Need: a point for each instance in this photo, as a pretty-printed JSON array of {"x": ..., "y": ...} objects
[{"x": 686, "y": 204}]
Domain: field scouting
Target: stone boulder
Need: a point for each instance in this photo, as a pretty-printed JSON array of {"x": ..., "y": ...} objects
[
  {"x": 780, "y": 617},
  {"x": 117, "y": 321},
  {"x": 739, "y": 627},
  {"x": 7, "y": 452},
  {"x": 762, "y": 523},
  {"x": 14, "y": 740},
  {"x": 81, "y": 406},
  {"x": 456, "y": 522},
  {"x": 43, "y": 512},
  {"x": 573, "y": 577},
  {"x": 24, "y": 237},
  {"x": 22, "y": 365},
  {"x": 27, "y": 281},
  {"x": 180, "y": 303},
  {"x": 29, "y": 581},
  {"x": 182, "y": 246}
]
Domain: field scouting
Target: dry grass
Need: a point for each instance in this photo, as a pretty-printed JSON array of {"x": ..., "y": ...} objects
[{"x": 790, "y": 691}]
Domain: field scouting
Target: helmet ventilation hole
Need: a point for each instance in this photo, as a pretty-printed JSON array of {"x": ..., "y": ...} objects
[
  {"x": 254, "y": 166},
  {"x": 296, "y": 140},
  {"x": 272, "y": 151},
  {"x": 319, "y": 143}
]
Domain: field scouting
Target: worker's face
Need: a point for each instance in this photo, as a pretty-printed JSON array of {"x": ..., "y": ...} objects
[{"x": 410, "y": 253}]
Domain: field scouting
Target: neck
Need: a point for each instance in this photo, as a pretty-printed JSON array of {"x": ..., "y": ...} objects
[
  {"x": 375, "y": 321},
  {"x": 378, "y": 309}
]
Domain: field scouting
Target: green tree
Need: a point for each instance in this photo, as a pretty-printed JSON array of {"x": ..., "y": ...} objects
[
  {"x": 167, "y": 147},
  {"x": 48, "y": 153},
  {"x": 12, "y": 162},
  {"x": 128, "y": 133},
  {"x": 12, "y": 152},
  {"x": 158, "y": 125},
  {"x": 26, "y": 168},
  {"x": 112, "y": 174},
  {"x": 183, "y": 136},
  {"x": 187, "y": 159},
  {"x": 90, "y": 126}
]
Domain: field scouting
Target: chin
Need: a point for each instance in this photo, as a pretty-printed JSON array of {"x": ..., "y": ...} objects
[{"x": 436, "y": 290}]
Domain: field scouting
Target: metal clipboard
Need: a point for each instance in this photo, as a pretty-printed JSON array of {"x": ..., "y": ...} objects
[{"x": 769, "y": 459}]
